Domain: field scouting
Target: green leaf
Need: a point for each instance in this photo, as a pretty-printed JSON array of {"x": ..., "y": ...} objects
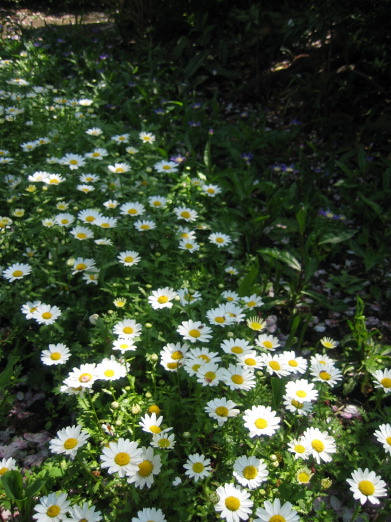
[
  {"x": 285, "y": 257},
  {"x": 278, "y": 389},
  {"x": 248, "y": 280},
  {"x": 300, "y": 218},
  {"x": 336, "y": 238},
  {"x": 6, "y": 374},
  {"x": 13, "y": 485},
  {"x": 35, "y": 487}
]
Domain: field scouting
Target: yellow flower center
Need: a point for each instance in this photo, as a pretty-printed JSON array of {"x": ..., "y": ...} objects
[
  {"x": 251, "y": 303},
  {"x": 105, "y": 225},
  {"x": 220, "y": 319},
  {"x": 185, "y": 214},
  {"x": 155, "y": 429},
  {"x": 198, "y": 467},
  {"x": 204, "y": 357},
  {"x": 237, "y": 379},
  {"x": 128, "y": 330},
  {"x": 177, "y": 355},
  {"x": 250, "y": 472},
  {"x": 109, "y": 373},
  {"x": 386, "y": 382},
  {"x": 122, "y": 458},
  {"x": 299, "y": 448},
  {"x": 250, "y": 361},
  {"x": 274, "y": 365},
  {"x": 145, "y": 468},
  {"x": 219, "y": 240},
  {"x": 90, "y": 219},
  {"x": 162, "y": 299},
  {"x": 154, "y": 408},
  {"x": 53, "y": 511},
  {"x": 297, "y": 404},
  {"x": 195, "y": 333},
  {"x": 119, "y": 170},
  {"x": 73, "y": 162},
  {"x": 70, "y": 443},
  {"x": 301, "y": 394},
  {"x": 81, "y": 266},
  {"x": 388, "y": 440},
  {"x": 292, "y": 363},
  {"x": 261, "y": 424},
  {"x": 232, "y": 503},
  {"x": 64, "y": 221},
  {"x": 189, "y": 246},
  {"x": 237, "y": 349},
  {"x": 144, "y": 227},
  {"x": 325, "y": 376},
  {"x": 85, "y": 377},
  {"x": 317, "y": 445},
  {"x": 254, "y": 325},
  {"x": 210, "y": 191},
  {"x": 47, "y": 315},
  {"x": 303, "y": 477},
  {"x": 277, "y": 518},
  {"x": 81, "y": 235},
  {"x": 55, "y": 356},
  {"x": 96, "y": 154},
  {"x": 3, "y": 470},
  {"x": 17, "y": 273},
  {"x": 210, "y": 376},
  {"x": 196, "y": 367},
  {"x": 172, "y": 366},
  {"x": 267, "y": 344},
  {"x": 221, "y": 411},
  {"x": 164, "y": 443},
  {"x": 124, "y": 346},
  {"x": 156, "y": 203},
  {"x": 129, "y": 259},
  {"x": 366, "y": 487}
]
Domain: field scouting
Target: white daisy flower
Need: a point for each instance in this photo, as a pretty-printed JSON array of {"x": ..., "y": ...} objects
[
  {"x": 261, "y": 420},
  {"x": 64, "y": 219},
  {"x": 383, "y": 380},
  {"x": 69, "y": 440},
  {"x": 29, "y": 308},
  {"x": 238, "y": 377},
  {"x": 46, "y": 314},
  {"x": 383, "y": 435},
  {"x": 185, "y": 213},
  {"x": 149, "y": 515},
  {"x": 150, "y": 466},
  {"x": 300, "y": 448},
  {"x": 209, "y": 374},
  {"x": 142, "y": 225},
  {"x": 151, "y": 423},
  {"x": 73, "y": 161},
  {"x": 321, "y": 443},
  {"x": 275, "y": 364},
  {"x": 16, "y": 271},
  {"x": 147, "y": 137},
  {"x": 268, "y": 342},
  {"x": 211, "y": 190},
  {"x": 82, "y": 264},
  {"x": 187, "y": 297},
  {"x": 97, "y": 154},
  {"x": 301, "y": 390},
  {"x": 119, "y": 168},
  {"x": 166, "y": 166},
  {"x": 221, "y": 409},
  {"x": 94, "y": 131},
  {"x": 162, "y": 298},
  {"x": 296, "y": 364},
  {"x": 219, "y": 239},
  {"x": 127, "y": 329},
  {"x": 84, "y": 513},
  {"x": 236, "y": 346},
  {"x": 188, "y": 244},
  {"x": 250, "y": 360},
  {"x": 121, "y": 138},
  {"x": 252, "y": 301},
  {"x": 122, "y": 457},
  {"x": 328, "y": 343},
  {"x": 234, "y": 504},
  {"x": 194, "y": 331},
  {"x": 327, "y": 373},
  {"x": 157, "y": 201},
  {"x": 274, "y": 511},
  {"x": 128, "y": 258},
  {"x": 89, "y": 178},
  {"x": 81, "y": 233},
  {"x": 366, "y": 485},
  {"x": 124, "y": 345},
  {"x": 51, "y": 508},
  {"x": 163, "y": 440},
  {"x": 106, "y": 222},
  {"x": 297, "y": 407},
  {"x": 89, "y": 215},
  {"x": 56, "y": 354},
  {"x": 250, "y": 472},
  {"x": 110, "y": 369},
  {"x": 197, "y": 467},
  {"x": 7, "y": 465},
  {"x": 219, "y": 317},
  {"x": 85, "y": 376}
]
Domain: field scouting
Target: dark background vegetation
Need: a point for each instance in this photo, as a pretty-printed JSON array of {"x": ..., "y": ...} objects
[{"x": 329, "y": 60}]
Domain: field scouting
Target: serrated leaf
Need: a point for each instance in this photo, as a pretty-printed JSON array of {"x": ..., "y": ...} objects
[
  {"x": 285, "y": 257},
  {"x": 336, "y": 238}
]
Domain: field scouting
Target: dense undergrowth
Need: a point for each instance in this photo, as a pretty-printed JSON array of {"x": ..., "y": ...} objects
[{"x": 191, "y": 281}]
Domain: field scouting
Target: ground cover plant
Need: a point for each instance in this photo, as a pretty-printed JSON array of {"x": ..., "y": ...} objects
[{"x": 193, "y": 299}]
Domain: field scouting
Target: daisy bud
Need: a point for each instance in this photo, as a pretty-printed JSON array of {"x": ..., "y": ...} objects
[
  {"x": 136, "y": 409},
  {"x": 115, "y": 405},
  {"x": 93, "y": 319},
  {"x": 326, "y": 483}
]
